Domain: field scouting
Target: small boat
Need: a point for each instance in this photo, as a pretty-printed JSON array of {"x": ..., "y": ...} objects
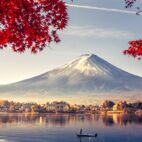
[{"x": 87, "y": 135}]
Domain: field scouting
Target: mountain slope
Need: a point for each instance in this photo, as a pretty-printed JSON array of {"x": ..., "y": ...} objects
[{"x": 86, "y": 74}]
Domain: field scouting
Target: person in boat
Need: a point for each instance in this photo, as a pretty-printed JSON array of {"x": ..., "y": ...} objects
[
  {"x": 81, "y": 131},
  {"x": 96, "y": 135}
]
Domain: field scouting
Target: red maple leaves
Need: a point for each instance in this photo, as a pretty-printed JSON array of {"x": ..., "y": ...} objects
[
  {"x": 129, "y": 3},
  {"x": 31, "y": 24},
  {"x": 135, "y": 48}
]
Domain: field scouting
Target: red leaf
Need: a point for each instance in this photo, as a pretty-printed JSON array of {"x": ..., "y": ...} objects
[{"x": 25, "y": 26}]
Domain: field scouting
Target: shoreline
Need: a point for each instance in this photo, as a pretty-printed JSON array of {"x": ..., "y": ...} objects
[{"x": 137, "y": 112}]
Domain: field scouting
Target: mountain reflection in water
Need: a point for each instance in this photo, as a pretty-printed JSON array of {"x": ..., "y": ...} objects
[
  {"x": 63, "y": 127},
  {"x": 63, "y": 119}
]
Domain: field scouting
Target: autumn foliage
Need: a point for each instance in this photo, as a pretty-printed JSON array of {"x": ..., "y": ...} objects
[
  {"x": 135, "y": 46},
  {"x": 129, "y": 3},
  {"x": 31, "y": 24}
]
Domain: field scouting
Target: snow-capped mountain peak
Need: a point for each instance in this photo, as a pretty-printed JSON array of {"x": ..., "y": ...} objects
[
  {"x": 89, "y": 64},
  {"x": 88, "y": 74},
  {"x": 85, "y": 64}
]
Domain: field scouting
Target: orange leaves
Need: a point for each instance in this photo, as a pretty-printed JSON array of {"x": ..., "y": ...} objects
[{"x": 31, "y": 24}]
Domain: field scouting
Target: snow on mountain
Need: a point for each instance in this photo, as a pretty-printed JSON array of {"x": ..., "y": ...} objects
[{"x": 87, "y": 74}]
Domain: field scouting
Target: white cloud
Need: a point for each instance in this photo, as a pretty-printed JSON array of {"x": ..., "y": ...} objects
[
  {"x": 80, "y": 31},
  {"x": 102, "y": 9}
]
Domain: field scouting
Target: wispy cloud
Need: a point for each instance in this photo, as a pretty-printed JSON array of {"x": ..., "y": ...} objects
[
  {"x": 81, "y": 31},
  {"x": 101, "y": 9}
]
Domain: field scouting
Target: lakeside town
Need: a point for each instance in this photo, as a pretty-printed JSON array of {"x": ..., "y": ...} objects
[{"x": 64, "y": 107}]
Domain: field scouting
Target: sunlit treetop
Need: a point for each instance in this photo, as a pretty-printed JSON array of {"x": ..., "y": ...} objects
[{"x": 31, "y": 24}]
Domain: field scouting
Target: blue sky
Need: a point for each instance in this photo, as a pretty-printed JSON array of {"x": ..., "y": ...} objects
[{"x": 104, "y": 33}]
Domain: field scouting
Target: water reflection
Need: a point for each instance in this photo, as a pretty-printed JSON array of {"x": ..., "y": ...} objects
[
  {"x": 63, "y": 119},
  {"x": 121, "y": 119},
  {"x": 87, "y": 139}
]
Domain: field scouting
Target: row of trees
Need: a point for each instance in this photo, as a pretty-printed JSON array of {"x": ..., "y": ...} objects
[{"x": 110, "y": 104}]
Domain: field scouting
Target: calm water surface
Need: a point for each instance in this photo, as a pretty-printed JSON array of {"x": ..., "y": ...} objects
[{"x": 63, "y": 128}]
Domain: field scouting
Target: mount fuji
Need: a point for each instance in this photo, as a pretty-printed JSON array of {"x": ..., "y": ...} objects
[{"x": 87, "y": 77}]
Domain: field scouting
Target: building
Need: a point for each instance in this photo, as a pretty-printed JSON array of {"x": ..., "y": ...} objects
[{"x": 58, "y": 107}]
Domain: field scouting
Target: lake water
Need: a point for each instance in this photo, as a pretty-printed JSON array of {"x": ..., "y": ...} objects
[{"x": 63, "y": 128}]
